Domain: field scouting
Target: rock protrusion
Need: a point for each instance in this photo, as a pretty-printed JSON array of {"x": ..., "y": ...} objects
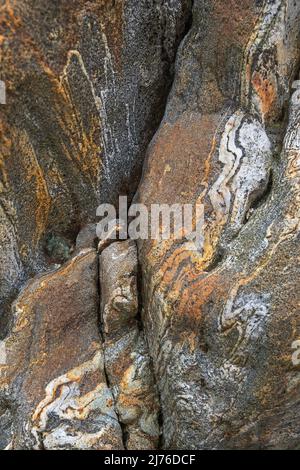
[
  {"x": 127, "y": 361},
  {"x": 53, "y": 373}
]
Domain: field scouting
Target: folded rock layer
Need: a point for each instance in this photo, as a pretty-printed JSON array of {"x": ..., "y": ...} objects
[
  {"x": 221, "y": 322},
  {"x": 159, "y": 343},
  {"x": 86, "y": 85}
]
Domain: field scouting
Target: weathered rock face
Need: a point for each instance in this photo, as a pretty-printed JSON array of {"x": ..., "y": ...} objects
[
  {"x": 128, "y": 364},
  {"x": 53, "y": 375},
  {"x": 220, "y": 323},
  {"x": 86, "y": 88},
  {"x": 167, "y": 345}
]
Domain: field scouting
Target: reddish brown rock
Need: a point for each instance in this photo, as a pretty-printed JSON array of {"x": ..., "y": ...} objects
[{"x": 53, "y": 368}]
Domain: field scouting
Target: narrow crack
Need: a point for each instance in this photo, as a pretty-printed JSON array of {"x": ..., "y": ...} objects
[{"x": 106, "y": 374}]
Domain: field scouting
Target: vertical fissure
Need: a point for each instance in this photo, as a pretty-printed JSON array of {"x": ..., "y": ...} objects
[{"x": 106, "y": 374}]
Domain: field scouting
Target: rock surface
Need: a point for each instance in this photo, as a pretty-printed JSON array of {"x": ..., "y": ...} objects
[
  {"x": 223, "y": 320},
  {"x": 159, "y": 344},
  {"x": 128, "y": 365},
  {"x": 86, "y": 87},
  {"x": 53, "y": 375}
]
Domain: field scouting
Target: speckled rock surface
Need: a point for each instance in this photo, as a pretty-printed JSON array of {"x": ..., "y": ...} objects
[
  {"x": 220, "y": 323},
  {"x": 153, "y": 344},
  {"x": 128, "y": 365},
  {"x": 86, "y": 88},
  {"x": 53, "y": 373}
]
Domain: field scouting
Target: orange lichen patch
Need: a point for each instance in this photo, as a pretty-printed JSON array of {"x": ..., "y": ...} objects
[
  {"x": 266, "y": 91},
  {"x": 170, "y": 266},
  {"x": 109, "y": 402},
  {"x": 131, "y": 400},
  {"x": 89, "y": 149},
  {"x": 36, "y": 175},
  {"x": 196, "y": 293},
  {"x": 131, "y": 391}
]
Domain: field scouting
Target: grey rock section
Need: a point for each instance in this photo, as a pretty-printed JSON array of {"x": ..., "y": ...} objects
[{"x": 5, "y": 426}]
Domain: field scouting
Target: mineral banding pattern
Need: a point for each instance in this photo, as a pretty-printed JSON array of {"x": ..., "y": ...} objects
[{"x": 149, "y": 224}]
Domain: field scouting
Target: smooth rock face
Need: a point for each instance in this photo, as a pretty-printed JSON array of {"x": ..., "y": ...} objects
[{"x": 159, "y": 344}]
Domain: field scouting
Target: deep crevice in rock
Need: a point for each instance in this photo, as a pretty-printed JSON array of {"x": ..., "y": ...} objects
[{"x": 140, "y": 319}]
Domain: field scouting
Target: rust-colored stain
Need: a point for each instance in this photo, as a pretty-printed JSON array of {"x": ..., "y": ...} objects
[
  {"x": 266, "y": 91},
  {"x": 237, "y": 26},
  {"x": 9, "y": 20},
  {"x": 35, "y": 174}
]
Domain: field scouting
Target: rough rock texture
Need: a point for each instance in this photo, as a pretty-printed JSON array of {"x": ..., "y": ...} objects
[
  {"x": 164, "y": 346},
  {"x": 53, "y": 376},
  {"x": 220, "y": 323},
  {"x": 86, "y": 87},
  {"x": 128, "y": 365}
]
